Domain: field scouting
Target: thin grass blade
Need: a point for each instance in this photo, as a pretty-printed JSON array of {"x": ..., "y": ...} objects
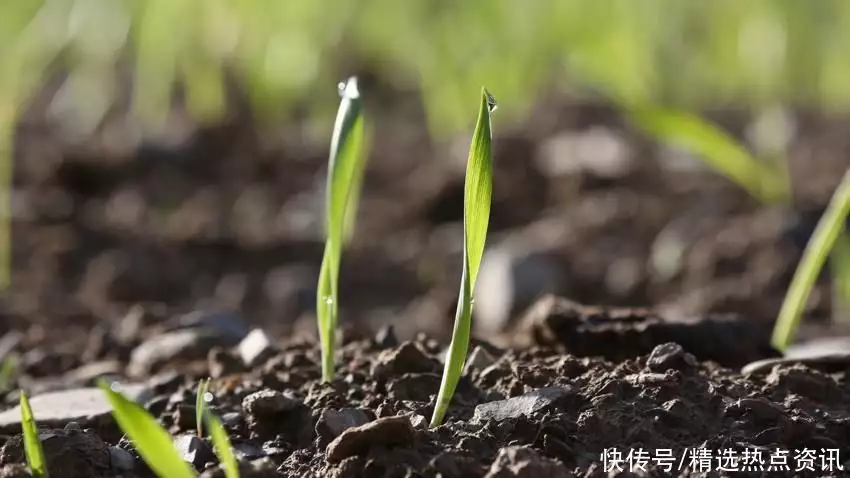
[
  {"x": 151, "y": 440},
  {"x": 223, "y": 448},
  {"x": 831, "y": 224},
  {"x": 32, "y": 443},
  {"x": 344, "y": 173},
  {"x": 478, "y": 191},
  {"x": 839, "y": 261},
  {"x": 766, "y": 182},
  {"x": 201, "y": 405}
]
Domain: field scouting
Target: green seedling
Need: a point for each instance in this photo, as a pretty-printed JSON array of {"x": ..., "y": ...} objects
[
  {"x": 32, "y": 444},
  {"x": 201, "y": 405},
  {"x": 478, "y": 190},
  {"x": 839, "y": 262},
  {"x": 151, "y": 440},
  {"x": 344, "y": 175},
  {"x": 766, "y": 181},
  {"x": 829, "y": 227},
  {"x": 223, "y": 449}
]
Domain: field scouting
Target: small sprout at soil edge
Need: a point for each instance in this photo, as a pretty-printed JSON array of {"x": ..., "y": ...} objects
[
  {"x": 830, "y": 225},
  {"x": 478, "y": 190},
  {"x": 151, "y": 440},
  {"x": 201, "y": 405},
  {"x": 32, "y": 443},
  {"x": 218, "y": 436},
  {"x": 344, "y": 174}
]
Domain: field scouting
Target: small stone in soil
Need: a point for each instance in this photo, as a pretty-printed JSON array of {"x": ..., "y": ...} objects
[
  {"x": 670, "y": 356},
  {"x": 15, "y": 470},
  {"x": 256, "y": 347},
  {"x": 524, "y": 405},
  {"x": 247, "y": 451},
  {"x": 390, "y": 431},
  {"x": 385, "y": 337},
  {"x": 523, "y": 462},
  {"x": 479, "y": 359},
  {"x": 88, "y": 406},
  {"x": 332, "y": 422},
  {"x": 187, "y": 344},
  {"x": 264, "y": 408},
  {"x": 829, "y": 363},
  {"x": 408, "y": 358},
  {"x": 121, "y": 460},
  {"x": 78, "y": 454},
  {"x": 194, "y": 451},
  {"x": 227, "y": 326}
]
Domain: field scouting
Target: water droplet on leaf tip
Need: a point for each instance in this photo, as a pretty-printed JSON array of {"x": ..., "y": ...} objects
[
  {"x": 491, "y": 101},
  {"x": 208, "y": 397},
  {"x": 329, "y": 300}
]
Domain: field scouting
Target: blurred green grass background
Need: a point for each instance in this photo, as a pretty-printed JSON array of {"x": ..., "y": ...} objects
[{"x": 752, "y": 54}]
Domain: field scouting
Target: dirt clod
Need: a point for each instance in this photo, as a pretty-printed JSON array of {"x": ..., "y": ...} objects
[
  {"x": 524, "y": 462},
  {"x": 670, "y": 356},
  {"x": 394, "y": 431}
]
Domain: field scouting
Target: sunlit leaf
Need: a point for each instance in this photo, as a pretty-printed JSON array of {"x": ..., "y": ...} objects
[
  {"x": 201, "y": 405},
  {"x": 32, "y": 443},
  {"x": 223, "y": 449}
]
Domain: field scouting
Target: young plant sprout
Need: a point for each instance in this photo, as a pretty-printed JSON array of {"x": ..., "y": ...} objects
[
  {"x": 344, "y": 174},
  {"x": 222, "y": 446},
  {"x": 32, "y": 444},
  {"x": 829, "y": 227},
  {"x": 201, "y": 405},
  {"x": 478, "y": 189},
  {"x": 152, "y": 441}
]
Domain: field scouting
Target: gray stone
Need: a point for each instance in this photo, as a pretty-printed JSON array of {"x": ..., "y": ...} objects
[
  {"x": 229, "y": 327},
  {"x": 247, "y": 451},
  {"x": 269, "y": 402},
  {"x": 524, "y": 462},
  {"x": 332, "y": 422},
  {"x": 188, "y": 344},
  {"x": 828, "y": 362},
  {"x": 383, "y": 432},
  {"x": 256, "y": 348},
  {"x": 407, "y": 358},
  {"x": 121, "y": 459},
  {"x": 87, "y": 373},
  {"x": 194, "y": 451},
  {"x": 819, "y": 348},
  {"x": 669, "y": 356},
  {"x": 88, "y": 406},
  {"x": 524, "y": 405},
  {"x": 479, "y": 359}
]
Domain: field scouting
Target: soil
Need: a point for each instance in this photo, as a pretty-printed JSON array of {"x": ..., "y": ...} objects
[{"x": 151, "y": 260}]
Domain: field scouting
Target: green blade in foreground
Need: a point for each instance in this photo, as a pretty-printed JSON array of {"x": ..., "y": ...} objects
[
  {"x": 223, "y": 449},
  {"x": 478, "y": 191},
  {"x": 829, "y": 227},
  {"x": 151, "y": 440},
  {"x": 32, "y": 444},
  {"x": 344, "y": 173},
  {"x": 201, "y": 405},
  {"x": 763, "y": 181}
]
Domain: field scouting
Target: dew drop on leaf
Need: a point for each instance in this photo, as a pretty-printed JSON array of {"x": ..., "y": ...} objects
[{"x": 491, "y": 101}]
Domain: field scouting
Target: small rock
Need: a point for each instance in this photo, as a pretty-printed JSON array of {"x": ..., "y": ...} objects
[
  {"x": 88, "y": 406},
  {"x": 479, "y": 359},
  {"x": 383, "y": 432},
  {"x": 247, "y": 451},
  {"x": 333, "y": 422},
  {"x": 77, "y": 454},
  {"x": 819, "y": 348},
  {"x": 670, "y": 356},
  {"x": 194, "y": 451},
  {"x": 87, "y": 373},
  {"x": 828, "y": 362},
  {"x": 407, "y": 358},
  {"x": 232, "y": 420},
  {"x": 15, "y": 470},
  {"x": 122, "y": 461},
  {"x": 385, "y": 337},
  {"x": 523, "y": 462},
  {"x": 268, "y": 402},
  {"x": 256, "y": 348},
  {"x": 188, "y": 344},
  {"x": 418, "y": 421},
  {"x": 524, "y": 405},
  {"x": 228, "y": 327},
  {"x": 418, "y": 387}
]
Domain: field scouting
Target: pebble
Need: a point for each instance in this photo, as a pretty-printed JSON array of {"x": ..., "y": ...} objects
[
  {"x": 827, "y": 362},
  {"x": 407, "y": 358},
  {"x": 524, "y": 462},
  {"x": 194, "y": 450},
  {"x": 68, "y": 453},
  {"x": 227, "y": 326},
  {"x": 88, "y": 406},
  {"x": 256, "y": 348},
  {"x": 670, "y": 356},
  {"x": 188, "y": 344},
  {"x": 479, "y": 360},
  {"x": 390, "y": 431},
  {"x": 332, "y": 422},
  {"x": 121, "y": 459},
  {"x": 268, "y": 402},
  {"x": 524, "y": 405}
]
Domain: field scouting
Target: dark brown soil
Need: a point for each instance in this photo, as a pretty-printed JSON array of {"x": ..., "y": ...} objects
[{"x": 115, "y": 240}]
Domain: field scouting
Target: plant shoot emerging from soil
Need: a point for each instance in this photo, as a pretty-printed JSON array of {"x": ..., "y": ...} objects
[
  {"x": 201, "y": 405},
  {"x": 478, "y": 190},
  {"x": 344, "y": 171},
  {"x": 32, "y": 444},
  {"x": 829, "y": 227},
  {"x": 151, "y": 440}
]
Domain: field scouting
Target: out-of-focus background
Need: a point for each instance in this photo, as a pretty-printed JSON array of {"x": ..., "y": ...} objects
[{"x": 173, "y": 154}]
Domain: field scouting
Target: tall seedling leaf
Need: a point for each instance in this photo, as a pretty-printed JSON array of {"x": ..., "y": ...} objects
[
  {"x": 344, "y": 173},
  {"x": 765, "y": 181},
  {"x": 151, "y": 440},
  {"x": 32, "y": 444},
  {"x": 223, "y": 449},
  {"x": 201, "y": 405},
  {"x": 478, "y": 190},
  {"x": 830, "y": 225}
]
